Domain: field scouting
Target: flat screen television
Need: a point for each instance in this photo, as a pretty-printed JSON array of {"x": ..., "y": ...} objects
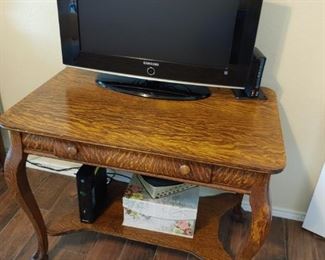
[{"x": 161, "y": 44}]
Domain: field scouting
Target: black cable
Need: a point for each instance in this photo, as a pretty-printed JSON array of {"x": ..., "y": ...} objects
[
  {"x": 118, "y": 174},
  {"x": 111, "y": 173},
  {"x": 50, "y": 168}
]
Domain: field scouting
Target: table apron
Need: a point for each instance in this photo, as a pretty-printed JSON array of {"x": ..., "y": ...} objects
[{"x": 229, "y": 179}]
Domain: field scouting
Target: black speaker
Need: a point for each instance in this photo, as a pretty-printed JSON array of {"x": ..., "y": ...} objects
[
  {"x": 253, "y": 85},
  {"x": 92, "y": 192}
]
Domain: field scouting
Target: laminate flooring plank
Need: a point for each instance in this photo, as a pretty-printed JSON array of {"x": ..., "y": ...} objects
[
  {"x": 137, "y": 251},
  {"x": 169, "y": 254},
  {"x": 18, "y": 241},
  {"x": 302, "y": 244},
  {"x": 8, "y": 206},
  {"x": 36, "y": 178},
  {"x": 66, "y": 199},
  {"x": 29, "y": 249},
  {"x": 80, "y": 242},
  {"x": 50, "y": 190},
  {"x": 319, "y": 245},
  {"x": 69, "y": 255},
  {"x": 15, "y": 235},
  {"x": 106, "y": 248},
  {"x": 295, "y": 241}
]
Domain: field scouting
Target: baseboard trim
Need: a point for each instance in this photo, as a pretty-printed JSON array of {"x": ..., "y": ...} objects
[{"x": 279, "y": 212}]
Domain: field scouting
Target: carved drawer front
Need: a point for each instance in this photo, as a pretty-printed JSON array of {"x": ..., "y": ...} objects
[
  {"x": 118, "y": 158},
  {"x": 235, "y": 178}
]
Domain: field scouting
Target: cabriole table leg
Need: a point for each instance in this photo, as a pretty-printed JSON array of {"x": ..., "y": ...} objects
[
  {"x": 260, "y": 222},
  {"x": 15, "y": 175},
  {"x": 237, "y": 212}
]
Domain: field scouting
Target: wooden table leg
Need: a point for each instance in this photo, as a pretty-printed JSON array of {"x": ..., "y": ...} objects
[
  {"x": 237, "y": 212},
  {"x": 15, "y": 175},
  {"x": 2, "y": 153},
  {"x": 260, "y": 223}
]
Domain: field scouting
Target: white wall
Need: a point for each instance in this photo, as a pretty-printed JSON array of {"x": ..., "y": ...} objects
[
  {"x": 29, "y": 47},
  {"x": 291, "y": 34}
]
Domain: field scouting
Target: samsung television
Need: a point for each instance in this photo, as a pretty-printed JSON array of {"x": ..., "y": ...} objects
[{"x": 155, "y": 47}]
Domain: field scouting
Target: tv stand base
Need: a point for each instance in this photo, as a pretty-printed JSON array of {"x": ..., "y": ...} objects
[{"x": 152, "y": 89}]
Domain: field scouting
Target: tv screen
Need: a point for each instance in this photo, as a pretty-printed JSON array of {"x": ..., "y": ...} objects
[
  {"x": 207, "y": 43},
  {"x": 172, "y": 31}
]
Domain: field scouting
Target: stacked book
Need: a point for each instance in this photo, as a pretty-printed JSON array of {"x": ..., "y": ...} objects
[{"x": 158, "y": 188}]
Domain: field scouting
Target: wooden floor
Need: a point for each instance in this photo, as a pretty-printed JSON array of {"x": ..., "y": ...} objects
[{"x": 287, "y": 240}]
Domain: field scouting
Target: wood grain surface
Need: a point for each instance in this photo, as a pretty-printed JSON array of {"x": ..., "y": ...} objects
[
  {"x": 287, "y": 240},
  {"x": 219, "y": 130},
  {"x": 217, "y": 142},
  {"x": 204, "y": 244},
  {"x": 117, "y": 158}
]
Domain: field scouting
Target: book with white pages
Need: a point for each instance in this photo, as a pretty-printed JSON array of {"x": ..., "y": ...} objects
[{"x": 158, "y": 188}]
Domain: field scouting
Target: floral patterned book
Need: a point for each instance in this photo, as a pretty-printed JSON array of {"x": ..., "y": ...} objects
[{"x": 175, "y": 214}]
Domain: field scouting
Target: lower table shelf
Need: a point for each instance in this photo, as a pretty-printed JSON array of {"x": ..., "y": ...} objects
[{"x": 205, "y": 243}]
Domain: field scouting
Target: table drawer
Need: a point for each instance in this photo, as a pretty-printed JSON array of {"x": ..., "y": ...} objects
[
  {"x": 235, "y": 178},
  {"x": 118, "y": 158}
]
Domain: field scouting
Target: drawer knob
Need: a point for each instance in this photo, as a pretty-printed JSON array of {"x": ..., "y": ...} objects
[
  {"x": 72, "y": 150},
  {"x": 185, "y": 170}
]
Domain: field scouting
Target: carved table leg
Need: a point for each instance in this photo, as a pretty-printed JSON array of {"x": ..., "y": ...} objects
[
  {"x": 15, "y": 175},
  {"x": 260, "y": 223},
  {"x": 237, "y": 212}
]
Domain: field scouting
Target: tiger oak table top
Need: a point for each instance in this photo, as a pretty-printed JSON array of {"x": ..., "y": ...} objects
[
  {"x": 219, "y": 142},
  {"x": 219, "y": 130}
]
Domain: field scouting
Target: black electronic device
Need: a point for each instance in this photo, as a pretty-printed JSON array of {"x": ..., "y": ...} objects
[
  {"x": 92, "y": 188},
  {"x": 185, "y": 42},
  {"x": 253, "y": 86}
]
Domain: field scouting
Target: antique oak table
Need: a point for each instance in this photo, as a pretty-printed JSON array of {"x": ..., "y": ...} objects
[{"x": 217, "y": 142}]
